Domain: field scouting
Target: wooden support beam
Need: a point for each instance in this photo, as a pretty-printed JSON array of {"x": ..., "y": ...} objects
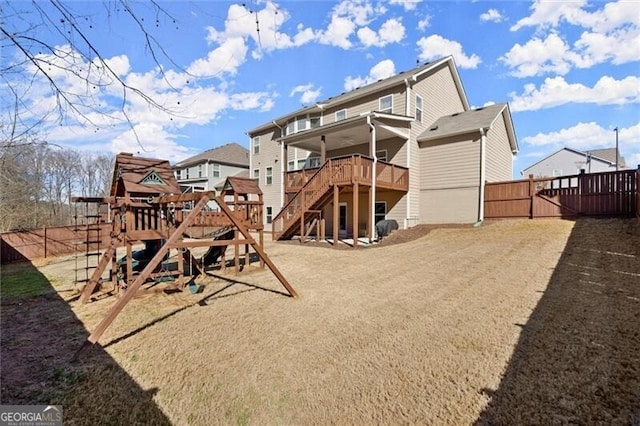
[
  {"x": 313, "y": 225},
  {"x": 88, "y": 289},
  {"x": 133, "y": 288},
  {"x": 336, "y": 213},
  {"x": 263, "y": 255},
  {"x": 356, "y": 213}
]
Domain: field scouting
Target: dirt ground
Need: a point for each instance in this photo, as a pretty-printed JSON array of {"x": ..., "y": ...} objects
[{"x": 513, "y": 322}]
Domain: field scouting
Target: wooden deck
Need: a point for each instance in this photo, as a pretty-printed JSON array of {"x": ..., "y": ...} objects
[{"x": 308, "y": 191}]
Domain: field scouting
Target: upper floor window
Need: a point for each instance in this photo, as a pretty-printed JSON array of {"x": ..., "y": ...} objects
[
  {"x": 291, "y": 165},
  {"x": 304, "y": 122},
  {"x": 341, "y": 115},
  {"x": 418, "y": 109},
  {"x": 268, "y": 176},
  {"x": 312, "y": 163},
  {"x": 215, "y": 170},
  {"x": 199, "y": 170},
  {"x": 386, "y": 104},
  {"x": 178, "y": 174},
  {"x": 256, "y": 175},
  {"x": 186, "y": 173},
  {"x": 256, "y": 144},
  {"x": 315, "y": 121}
]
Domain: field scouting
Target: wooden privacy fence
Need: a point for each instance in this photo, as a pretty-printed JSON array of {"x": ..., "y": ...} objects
[
  {"x": 595, "y": 194},
  {"x": 43, "y": 242}
]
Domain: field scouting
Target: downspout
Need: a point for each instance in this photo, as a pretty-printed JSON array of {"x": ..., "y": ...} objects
[
  {"x": 282, "y": 166},
  {"x": 483, "y": 148},
  {"x": 407, "y": 110},
  {"x": 373, "y": 178}
]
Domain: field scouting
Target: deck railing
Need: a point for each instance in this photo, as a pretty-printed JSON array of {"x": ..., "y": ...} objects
[{"x": 311, "y": 186}]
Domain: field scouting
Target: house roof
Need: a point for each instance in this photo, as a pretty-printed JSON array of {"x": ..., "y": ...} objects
[
  {"x": 608, "y": 154},
  {"x": 596, "y": 154},
  {"x": 400, "y": 78},
  {"x": 138, "y": 175},
  {"x": 231, "y": 153},
  {"x": 471, "y": 121}
]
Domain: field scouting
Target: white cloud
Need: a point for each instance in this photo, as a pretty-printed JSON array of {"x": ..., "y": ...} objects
[
  {"x": 424, "y": 23},
  {"x": 346, "y": 18},
  {"x": 491, "y": 15},
  {"x": 309, "y": 94},
  {"x": 612, "y": 33},
  {"x": 392, "y": 31},
  {"x": 435, "y": 47},
  {"x": 338, "y": 33},
  {"x": 556, "y": 91},
  {"x": 225, "y": 59},
  {"x": 407, "y": 4},
  {"x": 150, "y": 140},
  {"x": 381, "y": 70},
  {"x": 586, "y": 136},
  {"x": 551, "y": 55}
]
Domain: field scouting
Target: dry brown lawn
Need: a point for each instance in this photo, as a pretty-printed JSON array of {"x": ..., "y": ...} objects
[{"x": 514, "y": 322}]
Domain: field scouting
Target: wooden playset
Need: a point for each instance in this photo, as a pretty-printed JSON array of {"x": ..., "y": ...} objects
[{"x": 148, "y": 207}]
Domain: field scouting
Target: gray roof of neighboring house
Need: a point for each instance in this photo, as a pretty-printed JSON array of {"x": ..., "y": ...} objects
[
  {"x": 374, "y": 87},
  {"x": 608, "y": 154},
  {"x": 471, "y": 121},
  {"x": 231, "y": 153}
]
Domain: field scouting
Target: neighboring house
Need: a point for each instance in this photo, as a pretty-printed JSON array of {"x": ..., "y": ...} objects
[
  {"x": 568, "y": 161},
  {"x": 430, "y": 150},
  {"x": 207, "y": 171}
]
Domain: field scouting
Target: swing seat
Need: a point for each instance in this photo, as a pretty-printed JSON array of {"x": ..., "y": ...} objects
[{"x": 194, "y": 288}]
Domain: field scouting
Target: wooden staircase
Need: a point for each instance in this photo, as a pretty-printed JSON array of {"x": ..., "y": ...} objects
[{"x": 317, "y": 190}]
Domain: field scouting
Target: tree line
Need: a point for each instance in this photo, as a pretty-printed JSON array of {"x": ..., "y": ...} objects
[{"x": 37, "y": 182}]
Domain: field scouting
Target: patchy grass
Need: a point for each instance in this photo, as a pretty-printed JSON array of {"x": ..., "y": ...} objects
[{"x": 20, "y": 280}]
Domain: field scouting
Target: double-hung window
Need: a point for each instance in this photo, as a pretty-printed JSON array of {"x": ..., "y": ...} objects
[
  {"x": 269, "y": 214},
  {"x": 268, "y": 176},
  {"x": 386, "y": 104},
  {"x": 341, "y": 115},
  {"x": 418, "y": 109},
  {"x": 256, "y": 175},
  {"x": 215, "y": 170},
  {"x": 256, "y": 144}
]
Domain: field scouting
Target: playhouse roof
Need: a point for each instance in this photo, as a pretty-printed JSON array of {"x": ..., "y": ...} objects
[
  {"x": 139, "y": 176},
  {"x": 241, "y": 186}
]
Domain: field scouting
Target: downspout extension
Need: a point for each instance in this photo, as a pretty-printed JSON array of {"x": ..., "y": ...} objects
[
  {"x": 483, "y": 147},
  {"x": 373, "y": 178}
]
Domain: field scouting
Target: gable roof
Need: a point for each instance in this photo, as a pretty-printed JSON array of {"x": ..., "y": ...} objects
[
  {"x": 471, "y": 121},
  {"x": 608, "y": 154},
  {"x": 132, "y": 175},
  {"x": 231, "y": 154},
  {"x": 241, "y": 186},
  {"x": 592, "y": 153},
  {"x": 400, "y": 78}
]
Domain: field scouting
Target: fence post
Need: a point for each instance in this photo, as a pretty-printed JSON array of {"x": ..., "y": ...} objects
[
  {"x": 44, "y": 228},
  {"x": 581, "y": 177},
  {"x": 531, "y": 195}
]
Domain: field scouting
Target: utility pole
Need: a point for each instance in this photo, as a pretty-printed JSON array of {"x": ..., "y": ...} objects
[{"x": 617, "y": 152}]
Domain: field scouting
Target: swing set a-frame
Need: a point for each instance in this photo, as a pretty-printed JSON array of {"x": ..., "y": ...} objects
[{"x": 149, "y": 207}]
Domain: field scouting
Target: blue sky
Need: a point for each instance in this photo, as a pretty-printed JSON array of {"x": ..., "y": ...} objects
[{"x": 569, "y": 70}]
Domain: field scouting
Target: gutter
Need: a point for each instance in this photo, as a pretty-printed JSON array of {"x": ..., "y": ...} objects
[{"x": 483, "y": 158}]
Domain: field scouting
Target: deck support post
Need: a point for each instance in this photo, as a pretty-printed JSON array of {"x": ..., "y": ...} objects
[
  {"x": 336, "y": 214},
  {"x": 356, "y": 213}
]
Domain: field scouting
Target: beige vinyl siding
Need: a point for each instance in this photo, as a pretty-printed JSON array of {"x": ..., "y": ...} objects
[
  {"x": 270, "y": 153},
  {"x": 439, "y": 97},
  {"x": 499, "y": 159},
  {"x": 394, "y": 147},
  {"x": 449, "y": 185},
  {"x": 368, "y": 104}
]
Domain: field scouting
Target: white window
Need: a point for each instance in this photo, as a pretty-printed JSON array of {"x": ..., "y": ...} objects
[
  {"x": 178, "y": 174},
  {"x": 557, "y": 172},
  {"x": 215, "y": 170},
  {"x": 341, "y": 115},
  {"x": 302, "y": 124},
  {"x": 291, "y": 128},
  {"x": 269, "y": 214},
  {"x": 199, "y": 170},
  {"x": 381, "y": 155},
  {"x": 315, "y": 122},
  {"x": 418, "y": 109},
  {"x": 386, "y": 104},
  {"x": 186, "y": 172},
  {"x": 256, "y": 144},
  {"x": 312, "y": 162},
  {"x": 256, "y": 175},
  {"x": 291, "y": 165},
  {"x": 268, "y": 176},
  {"x": 301, "y": 164}
]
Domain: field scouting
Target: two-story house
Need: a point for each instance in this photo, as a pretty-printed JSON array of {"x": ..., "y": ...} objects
[
  {"x": 408, "y": 148},
  {"x": 569, "y": 161},
  {"x": 207, "y": 171}
]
